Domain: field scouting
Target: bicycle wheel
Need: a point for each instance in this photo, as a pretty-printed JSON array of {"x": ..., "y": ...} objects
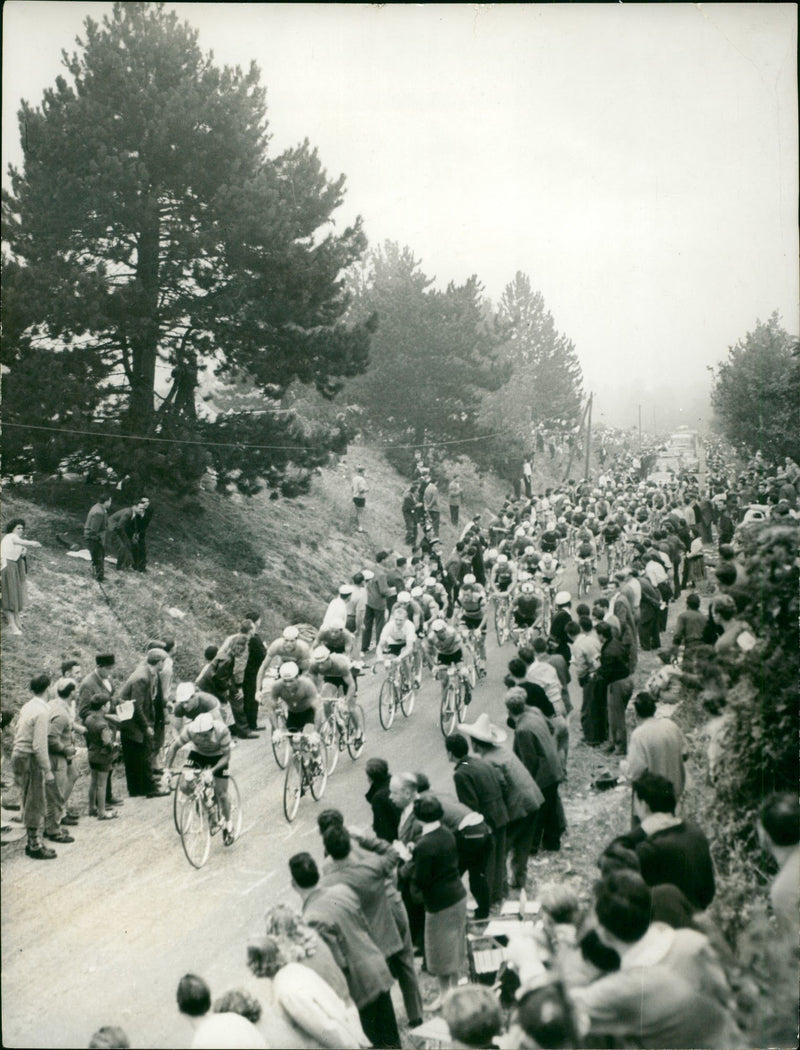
[
  {"x": 448, "y": 711},
  {"x": 356, "y": 727},
  {"x": 317, "y": 774},
  {"x": 281, "y": 747},
  {"x": 180, "y": 802},
  {"x": 329, "y": 734},
  {"x": 387, "y": 703},
  {"x": 470, "y": 667},
  {"x": 195, "y": 833},
  {"x": 407, "y": 701},
  {"x": 416, "y": 665},
  {"x": 292, "y": 787},
  {"x": 235, "y": 800},
  {"x": 546, "y": 613}
]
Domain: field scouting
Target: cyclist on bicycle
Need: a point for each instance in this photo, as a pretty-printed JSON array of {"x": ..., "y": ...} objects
[
  {"x": 334, "y": 669},
  {"x": 211, "y": 749},
  {"x": 334, "y": 637},
  {"x": 550, "y": 572},
  {"x": 300, "y": 695},
  {"x": 529, "y": 562},
  {"x": 397, "y": 640},
  {"x": 288, "y": 648},
  {"x": 526, "y": 608},
  {"x": 473, "y": 611},
  {"x": 549, "y": 541},
  {"x": 413, "y": 609},
  {"x": 446, "y": 644},
  {"x": 586, "y": 553},
  {"x": 191, "y": 702}
]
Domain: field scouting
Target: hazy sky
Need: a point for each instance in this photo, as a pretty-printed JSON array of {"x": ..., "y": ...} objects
[{"x": 638, "y": 162}]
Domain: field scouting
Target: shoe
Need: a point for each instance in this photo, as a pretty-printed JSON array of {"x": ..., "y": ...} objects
[
  {"x": 227, "y": 837},
  {"x": 69, "y": 821},
  {"x": 11, "y": 806},
  {"x": 40, "y": 853},
  {"x": 159, "y": 793},
  {"x": 258, "y": 728},
  {"x": 414, "y": 1022},
  {"x": 115, "y": 802},
  {"x": 59, "y": 836},
  {"x": 92, "y": 812},
  {"x": 107, "y": 816},
  {"x": 157, "y": 772},
  {"x": 247, "y": 735}
]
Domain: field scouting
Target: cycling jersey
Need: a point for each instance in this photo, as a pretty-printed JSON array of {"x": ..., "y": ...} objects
[
  {"x": 446, "y": 643},
  {"x": 213, "y": 744},
  {"x": 472, "y": 601},
  {"x": 298, "y": 651},
  {"x": 585, "y": 550},
  {"x": 549, "y": 541},
  {"x": 336, "y": 666},
  {"x": 299, "y": 694},
  {"x": 526, "y": 609},
  {"x": 396, "y": 638}
]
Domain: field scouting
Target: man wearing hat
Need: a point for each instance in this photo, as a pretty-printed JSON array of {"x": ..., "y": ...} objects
[
  {"x": 137, "y": 732},
  {"x": 336, "y": 613},
  {"x": 359, "y": 489},
  {"x": 523, "y": 797},
  {"x": 98, "y": 681}
]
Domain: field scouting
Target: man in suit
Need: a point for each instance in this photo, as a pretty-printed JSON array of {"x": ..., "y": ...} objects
[
  {"x": 336, "y": 914},
  {"x": 256, "y": 651},
  {"x": 535, "y": 746},
  {"x": 97, "y": 681},
  {"x": 137, "y": 732},
  {"x": 479, "y": 785},
  {"x": 403, "y": 792},
  {"x": 142, "y": 513},
  {"x": 371, "y": 877}
]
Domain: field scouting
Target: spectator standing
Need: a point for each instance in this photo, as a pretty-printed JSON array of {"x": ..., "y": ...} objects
[
  {"x": 586, "y": 648},
  {"x": 779, "y": 834},
  {"x": 455, "y": 493},
  {"x": 410, "y": 510},
  {"x": 142, "y": 513},
  {"x": 30, "y": 762},
  {"x": 213, "y": 1029},
  {"x": 137, "y": 732},
  {"x": 378, "y": 591},
  {"x": 430, "y": 502},
  {"x": 613, "y": 687},
  {"x": 120, "y": 532},
  {"x": 94, "y": 532},
  {"x": 98, "y": 681},
  {"x": 13, "y": 549},
  {"x": 385, "y": 815},
  {"x": 256, "y": 652},
  {"x": 61, "y": 748},
  {"x": 359, "y": 490},
  {"x": 535, "y": 747},
  {"x": 337, "y": 915},
  {"x": 657, "y": 745},
  {"x": 689, "y": 627}
]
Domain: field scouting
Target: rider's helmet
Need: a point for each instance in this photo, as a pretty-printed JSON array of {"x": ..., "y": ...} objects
[
  {"x": 289, "y": 670},
  {"x": 320, "y": 654},
  {"x": 502, "y": 559},
  {"x": 291, "y": 634},
  {"x": 416, "y": 592},
  {"x": 547, "y": 563},
  {"x": 491, "y": 554},
  {"x": 527, "y": 588},
  {"x": 438, "y": 626},
  {"x": 403, "y": 598},
  {"x": 204, "y": 723},
  {"x": 529, "y": 550},
  {"x": 430, "y": 582},
  {"x": 469, "y": 580},
  {"x": 184, "y": 692}
]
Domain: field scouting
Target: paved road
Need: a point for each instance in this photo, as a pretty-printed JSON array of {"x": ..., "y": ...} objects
[{"x": 102, "y": 934}]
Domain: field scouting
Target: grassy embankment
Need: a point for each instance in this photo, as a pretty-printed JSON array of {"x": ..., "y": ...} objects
[{"x": 211, "y": 557}]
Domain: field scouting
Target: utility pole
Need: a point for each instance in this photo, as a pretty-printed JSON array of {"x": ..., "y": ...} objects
[
  {"x": 640, "y": 428},
  {"x": 588, "y": 438}
]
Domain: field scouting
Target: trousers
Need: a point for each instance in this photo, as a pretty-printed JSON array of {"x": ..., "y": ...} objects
[
  {"x": 379, "y": 1022},
  {"x": 374, "y": 619},
  {"x": 57, "y": 791},
  {"x": 619, "y": 693},
  {"x": 519, "y": 837},
  {"x": 474, "y": 854},
  {"x": 29, "y": 779},
  {"x": 401, "y": 964}
]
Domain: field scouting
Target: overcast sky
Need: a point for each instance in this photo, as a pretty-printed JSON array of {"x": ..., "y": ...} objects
[{"x": 638, "y": 162}]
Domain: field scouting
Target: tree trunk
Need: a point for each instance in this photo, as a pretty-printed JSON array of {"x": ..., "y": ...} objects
[{"x": 145, "y": 326}]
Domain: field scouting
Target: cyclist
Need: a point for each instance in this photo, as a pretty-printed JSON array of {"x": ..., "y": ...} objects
[
  {"x": 549, "y": 541},
  {"x": 300, "y": 695},
  {"x": 526, "y": 607},
  {"x": 191, "y": 702},
  {"x": 586, "y": 553},
  {"x": 436, "y": 591},
  {"x": 550, "y": 572},
  {"x": 413, "y": 609},
  {"x": 288, "y": 648},
  {"x": 211, "y": 749},
  {"x": 445, "y": 643},
  {"x": 529, "y": 562},
  {"x": 397, "y": 639},
  {"x": 473, "y": 610},
  {"x": 334, "y": 637}
]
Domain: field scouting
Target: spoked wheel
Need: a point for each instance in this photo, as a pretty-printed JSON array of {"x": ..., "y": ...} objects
[
  {"x": 356, "y": 735},
  {"x": 501, "y": 623},
  {"x": 235, "y": 800},
  {"x": 292, "y": 788},
  {"x": 181, "y": 800},
  {"x": 448, "y": 712},
  {"x": 387, "y": 703},
  {"x": 281, "y": 748},
  {"x": 416, "y": 665},
  {"x": 463, "y": 699},
  {"x": 195, "y": 833},
  {"x": 329, "y": 734},
  {"x": 546, "y": 614},
  {"x": 318, "y": 773},
  {"x": 407, "y": 701},
  {"x": 471, "y": 668}
]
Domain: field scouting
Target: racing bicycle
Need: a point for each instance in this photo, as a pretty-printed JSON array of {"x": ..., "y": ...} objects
[
  {"x": 456, "y": 695},
  {"x": 197, "y": 812},
  {"x": 342, "y": 729},
  {"x": 307, "y": 770},
  {"x": 396, "y": 691}
]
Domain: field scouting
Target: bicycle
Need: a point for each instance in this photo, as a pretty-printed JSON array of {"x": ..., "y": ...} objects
[
  {"x": 584, "y": 576},
  {"x": 456, "y": 696},
  {"x": 197, "y": 811},
  {"x": 395, "y": 692},
  {"x": 306, "y": 771},
  {"x": 475, "y": 663},
  {"x": 342, "y": 729},
  {"x": 502, "y": 614}
]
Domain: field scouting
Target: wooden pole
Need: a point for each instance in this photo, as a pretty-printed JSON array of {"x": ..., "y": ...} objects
[{"x": 588, "y": 438}]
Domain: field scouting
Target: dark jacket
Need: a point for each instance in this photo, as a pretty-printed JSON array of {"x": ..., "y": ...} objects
[
  {"x": 479, "y": 785},
  {"x": 385, "y": 814},
  {"x": 614, "y": 663},
  {"x": 535, "y": 746},
  {"x": 436, "y": 870},
  {"x": 677, "y": 855},
  {"x": 139, "y": 689}
]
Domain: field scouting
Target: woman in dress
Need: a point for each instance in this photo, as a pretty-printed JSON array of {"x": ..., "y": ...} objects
[
  {"x": 443, "y": 894},
  {"x": 13, "y": 549}
]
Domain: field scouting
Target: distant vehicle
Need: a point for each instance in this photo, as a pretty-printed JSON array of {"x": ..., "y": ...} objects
[{"x": 685, "y": 444}]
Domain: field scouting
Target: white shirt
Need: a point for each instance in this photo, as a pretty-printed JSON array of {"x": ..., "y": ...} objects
[
  {"x": 335, "y": 614},
  {"x": 546, "y": 676}
]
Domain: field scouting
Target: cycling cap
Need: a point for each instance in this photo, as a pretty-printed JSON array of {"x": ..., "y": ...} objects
[
  {"x": 563, "y": 598},
  {"x": 403, "y": 598},
  {"x": 204, "y": 723},
  {"x": 529, "y": 550},
  {"x": 430, "y": 582},
  {"x": 469, "y": 579},
  {"x": 438, "y": 625},
  {"x": 502, "y": 559},
  {"x": 527, "y": 588},
  {"x": 346, "y": 588},
  {"x": 368, "y": 574},
  {"x": 322, "y": 652},
  {"x": 520, "y": 531},
  {"x": 291, "y": 634},
  {"x": 184, "y": 692},
  {"x": 416, "y": 592},
  {"x": 289, "y": 670}
]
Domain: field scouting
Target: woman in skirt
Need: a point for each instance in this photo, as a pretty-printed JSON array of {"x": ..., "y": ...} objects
[
  {"x": 13, "y": 549},
  {"x": 443, "y": 894}
]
